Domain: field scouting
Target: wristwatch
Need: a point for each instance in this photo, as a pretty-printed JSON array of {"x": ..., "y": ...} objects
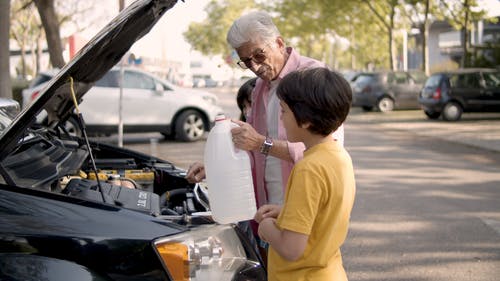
[{"x": 266, "y": 146}]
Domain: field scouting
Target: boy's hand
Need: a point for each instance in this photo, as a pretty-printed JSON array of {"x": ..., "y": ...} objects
[
  {"x": 267, "y": 211},
  {"x": 266, "y": 228}
]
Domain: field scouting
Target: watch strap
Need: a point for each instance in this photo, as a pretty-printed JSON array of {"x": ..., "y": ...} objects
[{"x": 266, "y": 146}]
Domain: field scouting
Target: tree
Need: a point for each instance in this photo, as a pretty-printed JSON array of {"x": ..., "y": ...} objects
[
  {"x": 420, "y": 14},
  {"x": 5, "y": 83},
  {"x": 209, "y": 36},
  {"x": 385, "y": 12},
  {"x": 50, "y": 23},
  {"x": 461, "y": 15},
  {"x": 25, "y": 29}
]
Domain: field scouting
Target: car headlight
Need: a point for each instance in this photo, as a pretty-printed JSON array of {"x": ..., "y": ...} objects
[{"x": 208, "y": 253}]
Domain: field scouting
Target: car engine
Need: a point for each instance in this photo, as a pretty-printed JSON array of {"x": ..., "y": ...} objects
[{"x": 124, "y": 178}]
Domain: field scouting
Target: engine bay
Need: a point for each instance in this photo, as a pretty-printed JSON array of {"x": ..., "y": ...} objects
[{"x": 112, "y": 175}]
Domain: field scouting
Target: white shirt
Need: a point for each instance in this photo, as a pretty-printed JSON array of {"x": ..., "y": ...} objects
[{"x": 273, "y": 178}]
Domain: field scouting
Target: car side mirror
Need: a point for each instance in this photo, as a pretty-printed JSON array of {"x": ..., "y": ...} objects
[{"x": 159, "y": 88}]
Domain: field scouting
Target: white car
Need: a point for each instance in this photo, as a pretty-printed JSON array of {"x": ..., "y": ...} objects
[
  {"x": 149, "y": 104},
  {"x": 37, "y": 84}
]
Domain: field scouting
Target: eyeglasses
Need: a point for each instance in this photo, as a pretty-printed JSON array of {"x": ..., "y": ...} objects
[{"x": 257, "y": 57}]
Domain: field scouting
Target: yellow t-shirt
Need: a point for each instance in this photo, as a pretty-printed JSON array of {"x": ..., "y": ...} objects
[{"x": 318, "y": 202}]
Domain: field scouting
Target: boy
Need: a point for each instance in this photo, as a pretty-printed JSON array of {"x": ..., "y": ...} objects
[{"x": 306, "y": 233}]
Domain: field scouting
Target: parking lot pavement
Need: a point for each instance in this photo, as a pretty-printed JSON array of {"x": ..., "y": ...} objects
[{"x": 474, "y": 129}]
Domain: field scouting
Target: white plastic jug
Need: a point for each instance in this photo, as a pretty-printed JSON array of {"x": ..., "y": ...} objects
[{"x": 228, "y": 175}]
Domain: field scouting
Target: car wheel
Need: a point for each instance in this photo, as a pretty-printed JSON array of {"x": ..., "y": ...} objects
[
  {"x": 432, "y": 115},
  {"x": 385, "y": 104},
  {"x": 189, "y": 126},
  {"x": 367, "y": 108},
  {"x": 452, "y": 111},
  {"x": 71, "y": 126}
]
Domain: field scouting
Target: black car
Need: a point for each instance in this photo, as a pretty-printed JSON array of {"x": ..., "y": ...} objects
[
  {"x": 76, "y": 209},
  {"x": 449, "y": 94},
  {"x": 386, "y": 90}
]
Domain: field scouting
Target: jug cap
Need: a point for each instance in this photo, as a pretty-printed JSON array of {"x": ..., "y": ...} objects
[{"x": 220, "y": 117}]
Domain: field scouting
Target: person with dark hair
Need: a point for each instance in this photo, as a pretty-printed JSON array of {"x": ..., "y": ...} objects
[
  {"x": 244, "y": 98},
  {"x": 306, "y": 232}
]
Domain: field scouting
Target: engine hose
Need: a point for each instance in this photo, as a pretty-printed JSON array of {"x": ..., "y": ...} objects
[{"x": 165, "y": 197}]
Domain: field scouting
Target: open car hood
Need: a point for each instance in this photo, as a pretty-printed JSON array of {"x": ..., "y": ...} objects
[{"x": 99, "y": 55}]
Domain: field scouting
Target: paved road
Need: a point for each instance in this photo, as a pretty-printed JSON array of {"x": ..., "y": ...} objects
[
  {"x": 425, "y": 209},
  {"x": 476, "y": 130}
]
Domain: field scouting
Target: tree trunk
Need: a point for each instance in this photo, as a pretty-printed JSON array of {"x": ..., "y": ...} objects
[
  {"x": 50, "y": 24},
  {"x": 5, "y": 83},
  {"x": 392, "y": 51},
  {"x": 465, "y": 35}
]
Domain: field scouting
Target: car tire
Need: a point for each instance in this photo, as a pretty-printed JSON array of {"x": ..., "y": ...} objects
[
  {"x": 432, "y": 115},
  {"x": 452, "y": 111},
  {"x": 189, "y": 126},
  {"x": 367, "y": 108},
  {"x": 72, "y": 127},
  {"x": 385, "y": 104}
]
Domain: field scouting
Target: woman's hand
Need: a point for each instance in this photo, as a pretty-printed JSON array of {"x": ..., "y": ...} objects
[{"x": 195, "y": 173}]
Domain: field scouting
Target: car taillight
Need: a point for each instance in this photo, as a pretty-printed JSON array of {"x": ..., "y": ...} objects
[
  {"x": 437, "y": 94},
  {"x": 34, "y": 95}
]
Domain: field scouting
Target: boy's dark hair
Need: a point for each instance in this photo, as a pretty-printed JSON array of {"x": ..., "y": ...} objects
[
  {"x": 245, "y": 94},
  {"x": 317, "y": 96}
]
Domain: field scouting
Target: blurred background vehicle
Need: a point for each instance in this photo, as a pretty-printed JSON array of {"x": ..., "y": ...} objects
[
  {"x": 149, "y": 104},
  {"x": 449, "y": 94},
  {"x": 386, "y": 90},
  {"x": 9, "y": 108},
  {"x": 37, "y": 84}
]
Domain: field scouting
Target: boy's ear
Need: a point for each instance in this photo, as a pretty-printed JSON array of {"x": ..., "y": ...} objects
[{"x": 305, "y": 125}]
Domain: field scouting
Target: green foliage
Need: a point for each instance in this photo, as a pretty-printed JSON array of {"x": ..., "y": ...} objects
[
  {"x": 487, "y": 56},
  {"x": 344, "y": 34},
  {"x": 209, "y": 36}
]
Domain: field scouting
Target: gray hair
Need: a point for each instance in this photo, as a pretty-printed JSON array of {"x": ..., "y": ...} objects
[{"x": 251, "y": 26}]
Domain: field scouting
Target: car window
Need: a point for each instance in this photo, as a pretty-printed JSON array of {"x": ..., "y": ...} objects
[
  {"x": 433, "y": 81},
  {"x": 492, "y": 80},
  {"x": 364, "y": 79},
  {"x": 465, "y": 80},
  {"x": 135, "y": 80},
  {"x": 418, "y": 77},
  {"x": 39, "y": 79},
  {"x": 397, "y": 78},
  {"x": 110, "y": 79}
]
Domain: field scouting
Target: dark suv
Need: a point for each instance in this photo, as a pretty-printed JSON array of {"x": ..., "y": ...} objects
[
  {"x": 77, "y": 209},
  {"x": 387, "y": 90},
  {"x": 449, "y": 94}
]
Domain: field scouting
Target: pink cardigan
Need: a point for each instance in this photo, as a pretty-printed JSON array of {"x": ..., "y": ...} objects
[{"x": 257, "y": 119}]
